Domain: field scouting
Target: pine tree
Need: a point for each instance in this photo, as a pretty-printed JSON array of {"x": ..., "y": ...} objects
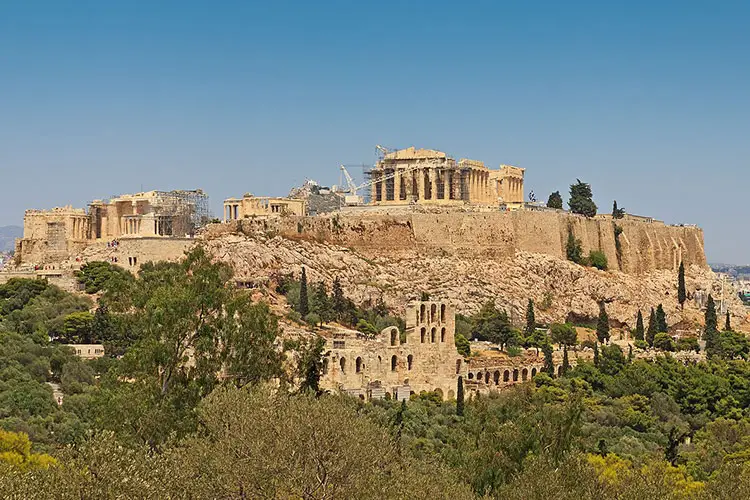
[
  {"x": 321, "y": 303},
  {"x": 549, "y": 366},
  {"x": 530, "y": 320},
  {"x": 652, "y": 325},
  {"x": 639, "y": 331},
  {"x": 338, "y": 300},
  {"x": 617, "y": 213},
  {"x": 728, "y": 324},
  {"x": 661, "y": 320},
  {"x": 555, "y": 201},
  {"x": 602, "y": 325},
  {"x": 565, "y": 362},
  {"x": 581, "y": 201},
  {"x": 596, "y": 354},
  {"x": 304, "y": 305},
  {"x": 460, "y": 397},
  {"x": 681, "y": 293}
]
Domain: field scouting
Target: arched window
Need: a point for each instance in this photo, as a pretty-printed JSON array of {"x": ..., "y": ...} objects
[
  {"x": 471, "y": 376},
  {"x": 515, "y": 375},
  {"x": 432, "y": 335},
  {"x": 380, "y": 360},
  {"x": 506, "y": 376},
  {"x": 358, "y": 365},
  {"x": 433, "y": 313},
  {"x": 442, "y": 313},
  {"x": 394, "y": 363},
  {"x": 342, "y": 364},
  {"x": 422, "y": 332},
  {"x": 394, "y": 336},
  {"x": 409, "y": 361},
  {"x": 442, "y": 334},
  {"x": 486, "y": 377},
  {"x": 421, "y": 313},
  {"x": 496, "y": 377},
  {"x": 524, "y": 374},
  {"x": 533, "y": 372},
  {"x": 479, "y": 376}
]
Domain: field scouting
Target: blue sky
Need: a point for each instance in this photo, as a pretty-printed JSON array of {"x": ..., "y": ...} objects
[{"x": 647, "y": 101}]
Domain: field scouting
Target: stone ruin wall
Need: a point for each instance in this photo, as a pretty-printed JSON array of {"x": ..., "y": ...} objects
[{"x": 645, "y": 246}]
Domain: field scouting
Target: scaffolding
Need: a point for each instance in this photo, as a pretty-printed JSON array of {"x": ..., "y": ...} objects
[
  {"x": 451, "y": 182},
  {"x": 181, "y": 212}
]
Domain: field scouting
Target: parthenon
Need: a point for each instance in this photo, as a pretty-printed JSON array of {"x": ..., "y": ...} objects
[{"x": 428, "y": 176}]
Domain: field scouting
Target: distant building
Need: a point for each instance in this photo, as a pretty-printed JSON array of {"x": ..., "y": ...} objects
[
  {"x": 255, "y": 206},
  {"x": 88, "y": 351}
]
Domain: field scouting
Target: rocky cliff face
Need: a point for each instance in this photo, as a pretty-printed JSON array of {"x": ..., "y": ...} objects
[{"x": 398, "y": 259}]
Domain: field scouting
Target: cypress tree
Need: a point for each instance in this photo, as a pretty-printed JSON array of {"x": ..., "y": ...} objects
[
  {"x": 530, "y": 319},
  {"x": 460, "y": 397},
  {"x": 338, "y": 300},
  {"x": 727, "y": 324},
  {"x": 304, "y": 306},
  {"x": 555, "y": 200},
  {"x": 711, "y": 324},
  {"x": 602, "y": 324},
  {"x": 651, "y": 332},
  {"x": 681, "y": 293},
  {"x": 565, "y": 362},
  {"x": 661, "y": 320},
  {"x": 596, "y": 354},
  {"x": 549, "y": 366},
  {"x": 639, "y": 330},
  {"x": 630, "y": 353}
]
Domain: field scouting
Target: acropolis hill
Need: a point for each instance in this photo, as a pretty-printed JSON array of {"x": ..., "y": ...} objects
[{"x": 457, "y": 229}]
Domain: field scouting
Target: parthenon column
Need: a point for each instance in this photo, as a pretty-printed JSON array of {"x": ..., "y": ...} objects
[
  {"x": 433, "y": 184},
  {"x": 396, "y": 184},
  {"x": 383, "y": 190}
]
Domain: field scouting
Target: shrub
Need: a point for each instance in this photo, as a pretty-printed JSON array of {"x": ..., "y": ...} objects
[
  {"x": 687, "y": 344},
  {"x": 463, "y": 346},
  {"x": 664, "y": 342},
  {"x": 641, "y": 344},
  {"x": 598, "y": 260},
  {"x": 312, "y": 319}
]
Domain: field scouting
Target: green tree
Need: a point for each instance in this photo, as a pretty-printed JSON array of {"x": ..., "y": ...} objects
[
  {"x": 664, "y": 342},
  {"x": 549, "y": 365},
  {"x": 652, "y": 328},
  {"x": 565, "y": 362},
  {"x": 460, "y": 397},
  {"x": 596, "y": 354},
  {"x": 97, "y": 276},
  {"x": 681, "y": 292},
  {"x": 338, "y": 300},
  {"x": 321, "y": 304},
  {"x": 602, "y": 324},
  {"x": 639, "y": 330},
  {"x": 78, "y": 328},
  {"x": 563, "y": 334},
  {"x": 581, "y": 201},
  {"x": 573, "y": 249},
  {"x": 728, "y": 323},
  {"x": 555, "y": 201},
  {"x": 710, "y": 321},
  {"x": 493, "y": 325},
  {"x": 310, "y": 364},
  {"x": 530, "y": 319},
  {"x": 630, "y": 353},
  {"x": 303, "y": 307},
  {"x": 617, "y": 213},
  {"x": 463, "y": 346},
  {"x": 661, "y": 320}
]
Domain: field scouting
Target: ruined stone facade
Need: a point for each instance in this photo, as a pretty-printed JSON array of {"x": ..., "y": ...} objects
[
  {"x": 258, "y": 206},
  {"x": 52, "y": 236},
  {"x": 398, "y": 364},
  {"x": 427, "y": 176}
]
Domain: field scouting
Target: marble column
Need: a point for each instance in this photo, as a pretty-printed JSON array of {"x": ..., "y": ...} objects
[{"x": 396, "y": 185}]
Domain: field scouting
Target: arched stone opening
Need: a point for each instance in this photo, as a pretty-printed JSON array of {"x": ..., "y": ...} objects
[
  {"x": 524, "y": 374},
  {"x": 486, "y": 377},
  {"x": 451, "y": 394},
  {"x": 559, "y": 371},
  {"x": 394, "y": 336},
  {"x": 533, "y": 372},
  {"x": 471, "y": 376},
  {"x": 409, "y": 361},
  {"x": 433, "y": 313},
  {"x": 421, "y": 313},
  {"x": 439, "y": 392},
  {"x": 496, "y": 377},
  {"x": 342, "y": 364},
  {"x": 394, "y": 363},
  {"x": 442, "y": 313},
  {"x": 506, "y": 376},
  {"x": 442, "y": 334},
  {"x": 358, "y": 365},
  {"x": 422, "y": 333},
  {"x": 515, "y": 375},
  {"x": 432, "y": 335}
]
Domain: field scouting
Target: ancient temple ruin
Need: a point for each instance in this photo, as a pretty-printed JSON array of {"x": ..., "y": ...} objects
[{"x": 427, "y": 176}]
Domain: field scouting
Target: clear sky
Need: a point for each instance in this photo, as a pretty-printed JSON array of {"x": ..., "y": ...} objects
[{"x": 649, "y": 103}]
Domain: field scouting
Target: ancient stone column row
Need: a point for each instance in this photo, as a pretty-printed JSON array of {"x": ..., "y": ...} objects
[
  {"x": 231, "y": 211},
  {"x": 80, "y": 228},
  {"x": 398, "y": 185},
  {"x": 479, "y": 187}
]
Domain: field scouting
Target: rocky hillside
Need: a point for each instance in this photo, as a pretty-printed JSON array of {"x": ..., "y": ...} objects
[{"x": 560, "y": 288}]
